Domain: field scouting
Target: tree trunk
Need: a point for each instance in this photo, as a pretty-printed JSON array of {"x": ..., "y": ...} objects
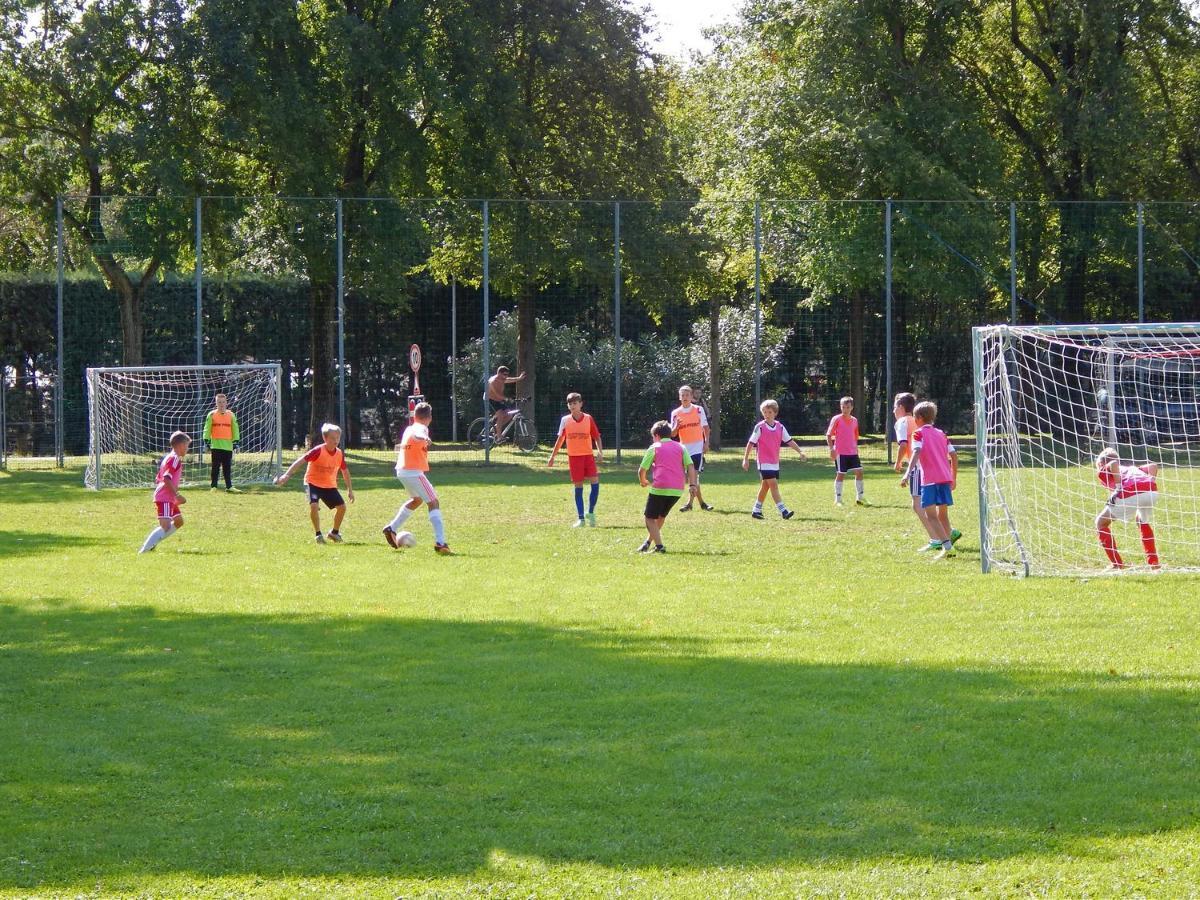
[
  {"x": 714, "y": 368},
  {"x": 322, "y": 307},
  {"x": 131, "y": 321},
  {"x": 856, "y": 376},
  {"x": 527, "y": 349}
]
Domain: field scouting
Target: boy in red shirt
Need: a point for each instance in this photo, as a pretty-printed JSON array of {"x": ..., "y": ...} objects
[
  {"x": 579, "y": 432},
  {"x": 167, "y": 498},
  {"x": 1134, "y": 493}
]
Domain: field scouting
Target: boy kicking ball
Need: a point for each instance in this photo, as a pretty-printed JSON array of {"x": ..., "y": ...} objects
[
  {"x": 767, "y": 439},
  {"x": 167, "y": 498},
  {"x": 579, "y": 432},
  {"x": 935, "y": 458},
  {"x": 411, "y": 466},
  {"x": 1134, "y": 493},
  {"x": 324, "y": 461},
  {"x": 666, "y": 469}
]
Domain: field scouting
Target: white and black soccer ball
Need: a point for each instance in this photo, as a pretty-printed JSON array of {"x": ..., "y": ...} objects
[{"x": 405, "y": 539}]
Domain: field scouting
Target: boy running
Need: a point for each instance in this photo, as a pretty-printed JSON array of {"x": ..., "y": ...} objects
[
  {"x": 842, "y": 435},
  {"x": 767, "y": 439},
  {"x": 906, "y": 427},
  {"x": 325, "y": 461},
  {"x": 220, "y": 432},
  {"x": 579, "y": 432},
  {"x": 935, "y": 458},
  {"x": 669, "y": 469},
  {"x": 411, "y": 465},
  {"x": 1134, "y": 493},
  {"x": 689, "y": 425},
  {"x": 167, "y": 498}
]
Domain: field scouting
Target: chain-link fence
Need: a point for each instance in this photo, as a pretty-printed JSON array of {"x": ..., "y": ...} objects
[{"x": 800, "y": 301}]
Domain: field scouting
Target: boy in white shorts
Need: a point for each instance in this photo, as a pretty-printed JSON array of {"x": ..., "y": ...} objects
[
  {"x": 411, "y": 466},
  {"x": 1134, "y": 492}
]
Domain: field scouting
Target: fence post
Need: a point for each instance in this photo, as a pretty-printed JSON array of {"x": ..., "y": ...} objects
[
  {"x": 757, "y": 305},
  {"x": 454, "y": 358},
  {"x": 887, "y": 321},
  {"x": 199, "y": 291},
  {"x": 58, "y": 375},
  {"x": 487, "y": 334},
  {"x": 341, "y": 319},
  {"x": 3, "y": 417},
  {"x": 617, "y": 327},
  {"x": 1012, "y": 262},
  {"x": 1141, "y": 226}
]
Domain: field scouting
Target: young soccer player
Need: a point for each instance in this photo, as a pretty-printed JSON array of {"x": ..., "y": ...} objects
[
  {"x": 935, "y": 458},
  {"x": 578, "y": 431},
  {"x": 220, "y": 432},
  {"x": 666, "y": 469},
  {"x": 842, "y": 435},
  {"x": 689, "y": 425},
  {"x": 767, "y": 439},
  {"x": 1134, "y": 493},
  {"x": 167, "y": 498},
  {"x": 411, "y": 466},
  {"x": 906, "y": 426},
  {"x": 324, "y": 461}
]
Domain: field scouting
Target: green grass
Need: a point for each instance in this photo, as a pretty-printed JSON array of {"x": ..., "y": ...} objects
[{"x": 801, "y": 708}]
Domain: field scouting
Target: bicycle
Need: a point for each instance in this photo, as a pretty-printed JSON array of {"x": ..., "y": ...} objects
[{"x": 519, "y": 430}]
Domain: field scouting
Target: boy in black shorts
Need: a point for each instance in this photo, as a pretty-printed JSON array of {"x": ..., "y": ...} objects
[{"x": 325, "y": 461}]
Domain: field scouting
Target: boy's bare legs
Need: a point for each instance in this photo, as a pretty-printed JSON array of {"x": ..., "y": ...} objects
[
  {"x": 929, "y": 528},
  {"x": 339, "y": 513},
  {"x": 314, "y": 513},
  {"x": 763, "y": 487},
  {"x": 837, "y": 488},
  {"x": 775, "y": 495},
  {"x": 654, "y": 528},
  {"x": 166, "y": 527}
]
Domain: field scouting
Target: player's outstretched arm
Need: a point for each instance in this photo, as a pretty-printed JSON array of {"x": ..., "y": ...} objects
[
  {"x": 349, "y": 486},
  {"x": 562, "y": 436},
  {"x": 282, "y": 479},
  {"x": 1150, "y": 468}
]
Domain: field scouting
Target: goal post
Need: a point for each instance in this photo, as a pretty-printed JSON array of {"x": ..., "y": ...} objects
[
  {"x": 132, "y": 411},
  {"x": 1049, "y": 399}
]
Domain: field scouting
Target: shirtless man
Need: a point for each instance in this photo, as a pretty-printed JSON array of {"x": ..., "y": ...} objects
[{"x": 505, "y": 407}]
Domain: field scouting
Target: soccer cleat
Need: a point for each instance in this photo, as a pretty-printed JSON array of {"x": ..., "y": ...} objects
[
  {"x": 687, "y": 507},
  {"x": 320, "y": 538},
  {"x": 645, "y": 548},
  {"x": 390, "y": 536},
  {"x": 862, "y": 501},
  {"x": 213, "y": 488},
  {"x": 660, "y": 549},
  {"x": 707, "y": 507},
  {"x": 233, "y": 490},
  {"x": 839, "y": 504},
  {"x": 946, "y": 553},
  {"x": 579, "y": 523},
  {"x": 442, "y": 550},
  {"x": 787, "y": 513},
  {"x": 591, "y": 520},
  {"x": 335, "y": 537},
  {"x": 932, "y": 545},
  {"x": 757, "y": 514},
  {"x": 955, "y": 534}
]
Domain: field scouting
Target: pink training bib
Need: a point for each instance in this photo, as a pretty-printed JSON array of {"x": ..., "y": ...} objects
[
  {"x": 769, "y": 440},
  {"x": 935, "y": 455},
  {"x": 667, "y": 470},
  {"x": 845, "y": 435}
]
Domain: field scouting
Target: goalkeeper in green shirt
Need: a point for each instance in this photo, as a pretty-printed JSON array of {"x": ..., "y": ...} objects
[{"x": 220, "y": 432}]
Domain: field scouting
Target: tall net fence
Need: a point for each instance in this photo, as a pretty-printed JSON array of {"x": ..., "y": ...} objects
[{"x": 799, "y": 301}]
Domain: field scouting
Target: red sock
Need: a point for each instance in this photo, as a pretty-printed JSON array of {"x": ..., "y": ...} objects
[
  {"x": 1110, "y": 546},
  {"x": 1148, "y": 543}
]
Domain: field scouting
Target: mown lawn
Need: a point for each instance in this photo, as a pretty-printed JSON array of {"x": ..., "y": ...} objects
[{"x": 772, "y": 708}]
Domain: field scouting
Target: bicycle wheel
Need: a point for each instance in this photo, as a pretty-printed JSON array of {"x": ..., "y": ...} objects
[
  {"x": 526, "y": 435},
  {"x": 479, "y": 434}
]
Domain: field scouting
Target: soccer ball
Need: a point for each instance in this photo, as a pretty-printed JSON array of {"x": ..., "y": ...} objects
[{"x": 405, "y": 539}]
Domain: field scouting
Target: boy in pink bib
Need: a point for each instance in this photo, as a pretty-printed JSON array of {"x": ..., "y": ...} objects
[
  {"x": 767, "y": 439},
  {"x": 937, "y": 460},
  {"x": 666, "y": 469},
  {"x": 842, "y": 437}
]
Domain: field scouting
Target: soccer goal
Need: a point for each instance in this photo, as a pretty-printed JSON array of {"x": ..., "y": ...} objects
[
  {"x": 133, "y": 410},
  {"x": 1048, "y": 399}
]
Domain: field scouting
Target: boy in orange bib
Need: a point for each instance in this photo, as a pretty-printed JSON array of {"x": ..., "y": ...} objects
[
  {"x": 411, "y": 466},
  {"x": 325, "y": 461},
  {"x": 579, "y": 432}
]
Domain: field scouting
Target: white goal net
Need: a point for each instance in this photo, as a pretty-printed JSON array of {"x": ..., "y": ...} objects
[
  {"x": 1049, "y": 400},
  {"x": 133, "y": 410}
]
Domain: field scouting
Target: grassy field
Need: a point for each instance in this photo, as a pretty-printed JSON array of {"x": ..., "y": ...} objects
[{"x": 798, "y": 708}]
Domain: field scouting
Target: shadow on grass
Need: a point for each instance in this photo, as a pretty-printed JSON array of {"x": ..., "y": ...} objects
[
  {"x": 136, "y": 743},
  {"x": 30, "y": 543}
]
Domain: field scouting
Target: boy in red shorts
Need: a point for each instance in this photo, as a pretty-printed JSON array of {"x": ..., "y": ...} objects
[
  {"x": 579, "y": 432},
  {"x": 167, "y": 498}
]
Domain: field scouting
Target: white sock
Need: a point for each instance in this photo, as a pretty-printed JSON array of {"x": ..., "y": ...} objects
[
  {"x": 779, "y": 506},
  {"x": 152, "y": 540},
  {"x": 401, "y": 518},
  {"x": 837, "y": 490},
  {"x": 859, "y": 487},
  {"x": 439, "y": 528},
  {"x": 758, "y": 506}
]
